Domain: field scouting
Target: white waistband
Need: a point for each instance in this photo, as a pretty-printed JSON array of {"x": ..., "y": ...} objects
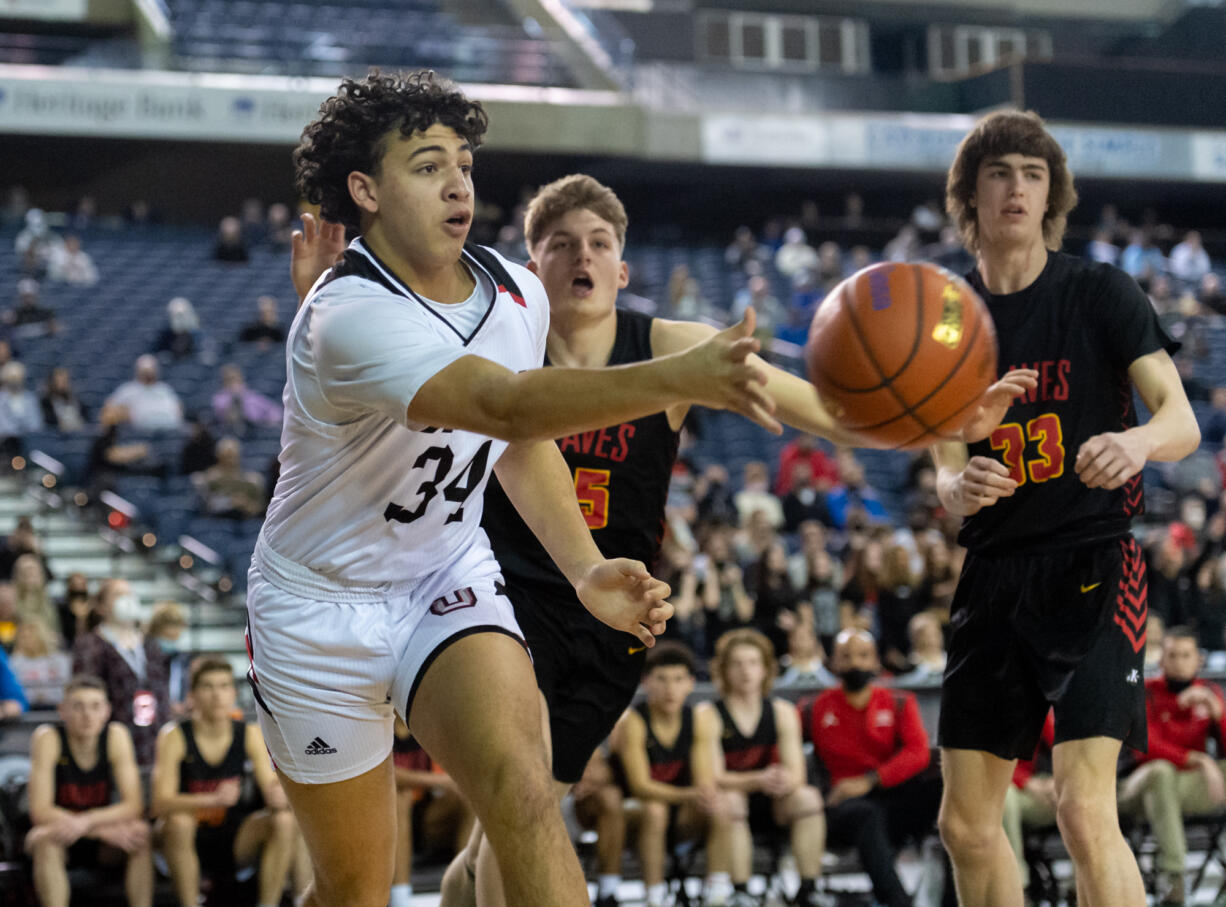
[{"x": 296, "y": 579}]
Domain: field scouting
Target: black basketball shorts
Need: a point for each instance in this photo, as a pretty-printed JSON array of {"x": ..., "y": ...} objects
[
  {"x": 588, "y": 672},
  {"x": 1062, "y": 630}
]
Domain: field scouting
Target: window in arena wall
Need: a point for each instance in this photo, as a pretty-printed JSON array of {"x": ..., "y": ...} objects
[
  {"x": 780, "y": 42},
  {"x": 956, "y": 50}
]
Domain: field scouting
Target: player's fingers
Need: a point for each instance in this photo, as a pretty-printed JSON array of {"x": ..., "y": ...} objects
[
  {"x": 741, "y": 349},
  {"x": 646, "y": 637},
  {"x": 660, "y": 613},
  {"x": 629, "y": 567},
  {"x": 656, "y": 590},
  {"x": 310, "y": 226},
  {"x": 988, "y": 465},
  {"x": 760, "y": 414}
]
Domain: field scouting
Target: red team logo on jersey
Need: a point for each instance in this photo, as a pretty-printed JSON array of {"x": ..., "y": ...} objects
[{"x": 461, "y": 598}]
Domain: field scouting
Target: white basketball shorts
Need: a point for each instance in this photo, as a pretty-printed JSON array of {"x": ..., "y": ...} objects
[{"x": 330, "y": 664}]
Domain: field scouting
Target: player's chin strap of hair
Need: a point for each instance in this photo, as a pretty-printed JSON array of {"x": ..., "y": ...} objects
[{"x": 492, "y": 263}]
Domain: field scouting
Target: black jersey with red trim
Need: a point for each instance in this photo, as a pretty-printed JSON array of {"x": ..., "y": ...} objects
[
  {"x": 1080, "y": 324},
  {"x": 621, "y": 475},
  {"x": 670, "y": 764},
  {"x": 78, "y": 789},
  {"x": 198, "y": 775},
  {"x": 749, "y": 753}
]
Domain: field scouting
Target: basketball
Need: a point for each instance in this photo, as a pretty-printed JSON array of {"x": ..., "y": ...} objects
[{"x": 901, "y": 353}]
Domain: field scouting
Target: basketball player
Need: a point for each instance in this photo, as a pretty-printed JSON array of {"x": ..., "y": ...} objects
[
  {"x": 85, "y": 798},
  {"x": 575, "y": 231},
  {"x": 1050, "y": 607},
  {"x": 411, "y": 373},
  {"x": 198, "y": 775}
]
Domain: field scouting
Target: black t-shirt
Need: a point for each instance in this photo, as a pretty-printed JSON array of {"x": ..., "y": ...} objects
[
  {"x": 669, "y": 764},
  {"x": 621, "y": 476},
  {"x": 77, "y": 789},
  {"x": 197, "y": 775},
  {"x": 1080, "y": 324},
  {"x": 757, "y": 750}
]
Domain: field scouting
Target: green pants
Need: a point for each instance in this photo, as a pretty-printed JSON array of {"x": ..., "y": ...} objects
[
  {"x": 1164, "y": 794},
  {"x": 1024, "y": 810}
]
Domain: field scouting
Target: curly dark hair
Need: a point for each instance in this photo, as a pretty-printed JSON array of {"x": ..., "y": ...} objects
[
  {"x": 998, "y": 134},
  {"x": 353, "y": 125}
]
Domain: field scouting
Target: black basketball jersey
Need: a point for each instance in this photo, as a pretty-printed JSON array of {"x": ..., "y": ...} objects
[
  {"x": 670, "y": 764},
  {"x": 76, "y": 789},
  {"x": 1080, "y": 324},
  {"x": 758, "y": 750},
  {"x": 621, "y": 476},
  {"x": 199, "y": 776}
]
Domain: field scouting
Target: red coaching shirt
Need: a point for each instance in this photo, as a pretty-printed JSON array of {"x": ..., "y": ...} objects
[
  {"x": 887, "y": 736},
  {"x": 1174, "y": 731}
]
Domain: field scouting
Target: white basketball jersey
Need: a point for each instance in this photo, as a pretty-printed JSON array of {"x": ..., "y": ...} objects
[{"x": 364, "y": 496}]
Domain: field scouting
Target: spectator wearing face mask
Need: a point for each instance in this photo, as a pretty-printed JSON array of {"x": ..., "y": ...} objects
[{"x": 130, "y": 664}]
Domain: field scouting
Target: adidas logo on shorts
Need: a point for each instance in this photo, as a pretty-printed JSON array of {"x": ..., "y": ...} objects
[{"x": 318, "y": 747}]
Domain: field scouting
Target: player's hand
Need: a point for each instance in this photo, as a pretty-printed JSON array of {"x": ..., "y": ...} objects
[
  {"x": 621, "y": 593},
  {"x": 1215, "y": 784},
  {"x": 1110, "y": 459},
  {"x": 1202, "y": 696},
  {"x": 67, "y": 830},
  {"x": 983, "y": 482},
  {"x": 312, "y": 250},
  {"x": 226, "y": 794},
  {"x": 777, "y": 781},
  {"x": 717, "y": 373},
  {"x": 126, "y": 836},
  {"x": 996, "y": 401},
  {"x": 848, "y": 789}
]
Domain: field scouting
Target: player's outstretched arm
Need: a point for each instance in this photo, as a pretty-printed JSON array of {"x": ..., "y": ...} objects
[
  {"x": 477, "y": 395},
  {"x": 1111, "y": 459},
  {"x": 619, "y": 592},
  {"x": 967, "y": 484}
]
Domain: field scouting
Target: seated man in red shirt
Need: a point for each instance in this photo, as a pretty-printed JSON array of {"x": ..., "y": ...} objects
[
  {"x": 1177, "y": 777},
  {"x": 872, "y": 743}
]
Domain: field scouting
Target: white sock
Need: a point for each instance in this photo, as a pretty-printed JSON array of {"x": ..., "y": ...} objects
[
  {"x": 402, "y": 896},
  {"x": 656, "y": 893},
  {"x": 719, "y": 885},
  {"x": 607, "y": 884}
]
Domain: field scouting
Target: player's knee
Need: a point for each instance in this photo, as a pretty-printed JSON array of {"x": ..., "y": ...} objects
[
  {"x": 179, "y": 830},
  {"x": 655, "y": 815},
  {"x": 520, "y": 795},
  {"x": 44, "y": 850},
  {"x": 1081, "y": 819},
  {"x": 354, "y": 886},
  {"x": 610, "y": 799},
  {"x": 806, "y": 800},
  {"x": 284, "y": 828},
  {"x": 140, "y": 836},
  {"x": 968, "y": 838}
]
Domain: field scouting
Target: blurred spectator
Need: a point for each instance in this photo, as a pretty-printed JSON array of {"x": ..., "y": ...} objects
[
  {"x": 1170, "y": 582},
  {"x": 1210, "y": 294},
  {"x": 726, "y": 604},
  {"x": 1177, "y": 777},
  {"x": 755, "y": 495},
  {"x": 230, "y": 245},
  {"x": 109, "y": 456},
  {"x": 1141, "y": 258},
  {"x": 30, "y": 317},
  {"x": 7, "y": 353},
  {"x": 690, "y": 303},
  {"x": 872, "y": 744},
  {"x": 236, "y": 405},
  {"x": 713, "y": 494},
  {"x": 1213, "y": 426},
  {"x": 769, "y": 310},
  {"x": 36, "y": 242},
  {"x": 8, "y": 616},
  {"x": 796, "y": 255},
  {"x": 510, "y": 243},
  {"x": 818, "y": 579},
  {"x": 853, "y": 493},
  {"x": 926, "y": 661},
  {"x": 166, "y": 626},
  {"x": 1102, "y": 249},
  {"x": 1211, "y": 602},
  {"x": 199, "y": 450},
  {"x": 1189, "y": 261},
  {"x": 805, "y": 502},
  {"x": 750, "y": 541},
  {"x": 12, "y": 697},
  {"x": 252, "y": 219},
  {"x": 903, "y": 247},
  {"x": 22, "y": 540},
  {"x": 899, "y": 598},
  {"x": 85, "y": 213},
  {"x": 1164, "y": 301},
  {"x": 228, "y": 490},
  {"x": 130, "y": 665},
  {"x": 40, "y": 666},
  {"x": 61, "y": 407},
  {"x": 140, "y": 213},
  {"x": 1155, "y": 634},
  {"x": 180, "y": 338},
  {"x": 804, "y": 447},
  {"x": 830, "y": 265},
  {"x": 16, "y": 204},
  {"x": 745, "y": 249},
  {"x": 151, "y": 404},
  {"x": 76, "y": 609},
  {"x": 928, "y": 217},
  {"x": 949, "y": 252},
  {"x": 774, "y": 598},
  {"x": 803, "y": 665},
  {"x": 853, "y": 210},
  {"x": 20, "y": 411},
  {"x": 85, "y": 799},
  {"x": 33, "y": 601},
  {"x": 72, "y": 265},
  {"x": 278, "y": 227},
  {"x": 858, "y": 597}
]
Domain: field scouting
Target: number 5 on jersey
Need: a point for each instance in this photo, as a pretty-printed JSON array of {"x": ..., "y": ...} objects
[{"x": 592, "y": 490}]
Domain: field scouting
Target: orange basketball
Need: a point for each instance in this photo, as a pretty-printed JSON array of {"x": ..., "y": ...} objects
[{"x": 901, "y": 353}]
